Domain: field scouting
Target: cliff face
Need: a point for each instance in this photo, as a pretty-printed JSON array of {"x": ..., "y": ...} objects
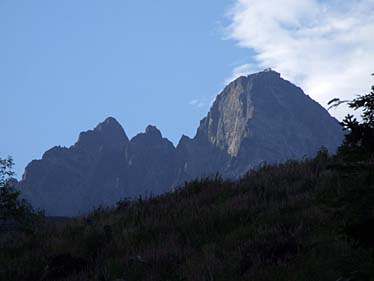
[
  {"x": 227, "y": 122},
  {"x": 264, "y": 118},
  {"x": 258, "y": 118}
]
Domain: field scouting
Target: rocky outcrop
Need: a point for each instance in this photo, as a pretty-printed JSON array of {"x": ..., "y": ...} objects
[
  {"x": 264, "y": 118},
  {"x": 151, "y": 163},
  {"x": 256, "y": 119},
  {"x": 67, "y": 181},
  {"x": 227, "y": 122}
]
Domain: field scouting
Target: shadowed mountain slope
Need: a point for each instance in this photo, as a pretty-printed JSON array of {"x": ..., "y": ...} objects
[{"x": 256, "y": 119}]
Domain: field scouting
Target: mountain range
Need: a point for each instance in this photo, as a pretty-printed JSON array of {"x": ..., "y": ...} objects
[{"x": 260, "y": 118}]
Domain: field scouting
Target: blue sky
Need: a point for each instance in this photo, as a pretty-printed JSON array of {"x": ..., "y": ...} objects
[{"x": 67, "y": 65}]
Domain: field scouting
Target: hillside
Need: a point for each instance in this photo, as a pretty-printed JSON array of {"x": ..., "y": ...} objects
[{"x": 294, "y": 221}]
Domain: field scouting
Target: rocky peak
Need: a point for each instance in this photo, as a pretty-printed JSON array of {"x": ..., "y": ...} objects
[
  {"x": 153, "y": 131},
  {"x": 150, "y": 138},
  {"x": 265, "y": 108},
  {"x": 183, "y": 140},
  {"x": 150, "y": 162},
  {"x": 269, "y": 73},
  {"x": 107, "y": 134},
  {"x": 226, "y": 123},
  {"x": 110, "y": 124}
]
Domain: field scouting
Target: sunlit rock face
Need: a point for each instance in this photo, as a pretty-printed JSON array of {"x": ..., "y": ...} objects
[
  {"x": 255, "y": 119},
  {"x": 227, "y": 122}
]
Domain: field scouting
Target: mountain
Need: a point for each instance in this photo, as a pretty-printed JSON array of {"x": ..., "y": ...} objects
[
  {"x": 151, "y": 163},
  {"x": 256, "y": 119},
  {"x": 68, "y": 180},
  {"x": 264, "y": 118}
]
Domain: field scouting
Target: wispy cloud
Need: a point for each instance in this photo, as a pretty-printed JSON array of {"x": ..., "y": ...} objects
[
  {"x": 326, "y": 47},
  {"x": 200, "y": 103},
  {"x": 203, "y": 103}
]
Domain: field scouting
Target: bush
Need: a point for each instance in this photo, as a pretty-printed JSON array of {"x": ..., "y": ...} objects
[{"x": 12, "y": 207}]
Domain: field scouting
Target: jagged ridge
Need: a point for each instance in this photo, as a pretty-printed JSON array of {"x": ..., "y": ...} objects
[{"x": 258, "y": 118}]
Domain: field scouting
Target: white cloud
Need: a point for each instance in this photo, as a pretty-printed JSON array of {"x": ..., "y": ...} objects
[{"x": 326, "y": 47}]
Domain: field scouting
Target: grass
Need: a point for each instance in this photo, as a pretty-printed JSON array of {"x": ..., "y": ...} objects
[{"x": 280, "y": 222}]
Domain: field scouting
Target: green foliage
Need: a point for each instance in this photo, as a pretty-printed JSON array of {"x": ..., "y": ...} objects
[
  {"x": 355, "y": 162},
  {"x": 359, "y": 140},
  {"x": 5, "y": 170},
  {"x": 11, "y": 205},
  {"x": 21, "y": 238},
  {"x": 276, "y": 223}
]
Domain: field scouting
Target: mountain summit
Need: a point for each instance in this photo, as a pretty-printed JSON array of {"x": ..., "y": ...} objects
[
  {"x": 264, "y": 118},
  {"x": 108, "y": 134},
  {"x": 255, "y": 119}
]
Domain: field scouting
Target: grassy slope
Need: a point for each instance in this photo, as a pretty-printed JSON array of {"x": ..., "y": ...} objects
[{"x": 278, "y": 223}]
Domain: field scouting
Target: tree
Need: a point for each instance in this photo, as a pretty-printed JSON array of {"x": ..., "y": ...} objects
[
  {"x": 358, "y": 145},
  {"x": 355, "y": 166},
  {"x": 11, "y": 205}
]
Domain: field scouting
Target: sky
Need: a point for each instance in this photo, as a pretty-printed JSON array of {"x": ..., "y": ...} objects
[{"x": 67, "y": 65}]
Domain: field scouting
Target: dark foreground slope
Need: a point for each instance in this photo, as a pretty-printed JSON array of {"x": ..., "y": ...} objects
[
  {"x": 287, "y": 222},
  {"x": 256, "y": 119}
]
